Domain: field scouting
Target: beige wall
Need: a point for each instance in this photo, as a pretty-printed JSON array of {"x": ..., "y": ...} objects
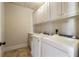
[
  {"x": 68, "y": 27},
  {"x": 18, "y": 22}
]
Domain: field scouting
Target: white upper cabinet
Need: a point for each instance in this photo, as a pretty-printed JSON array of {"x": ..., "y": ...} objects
[
  {"x": 60, "y": 10},
  {"x": 69, "y": 9},
  {"x": 55, "y": 11},
  {"x": 41, "y": 15},
  {"x": 64, "y": 8}
]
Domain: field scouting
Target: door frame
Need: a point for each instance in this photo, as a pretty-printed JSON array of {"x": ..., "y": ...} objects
[{"x": 1, "y": 27}]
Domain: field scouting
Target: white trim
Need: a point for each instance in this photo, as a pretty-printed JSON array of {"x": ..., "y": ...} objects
[{"x": 15, "y": 46}]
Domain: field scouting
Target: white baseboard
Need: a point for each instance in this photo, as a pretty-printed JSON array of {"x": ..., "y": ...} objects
[{"x": 15, "y": 46}]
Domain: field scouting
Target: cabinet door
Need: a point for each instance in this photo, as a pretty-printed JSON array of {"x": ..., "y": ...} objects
[
  {"x": 41, "y": 15},
  {"x": 64, "y": 8},
  {"x": 69, "y": 9},
  {"x": 35, "y": 47},
  {"x": 55, "y": 10},
  {"x": 72, "y": 7},
  {"x": 49, "y": 50},
  {"x": 59, "y": 9}
]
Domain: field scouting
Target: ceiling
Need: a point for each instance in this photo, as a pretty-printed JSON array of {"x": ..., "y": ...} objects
[{"x": 31, "y": 5}]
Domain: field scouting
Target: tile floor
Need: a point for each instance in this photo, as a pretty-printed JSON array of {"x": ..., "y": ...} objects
[{"x": 21, "y": 52}]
